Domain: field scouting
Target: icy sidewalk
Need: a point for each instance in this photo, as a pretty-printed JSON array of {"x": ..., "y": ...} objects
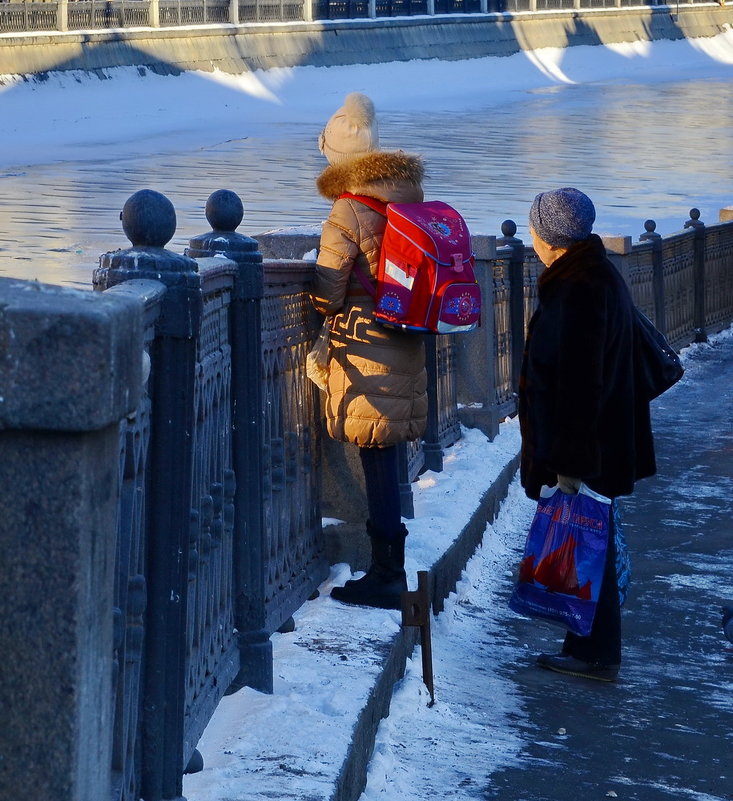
[{"x": 312, "y": 738}]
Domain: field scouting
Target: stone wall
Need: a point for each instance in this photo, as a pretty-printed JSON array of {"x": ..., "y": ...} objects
[{"x": 241, "y": 48}]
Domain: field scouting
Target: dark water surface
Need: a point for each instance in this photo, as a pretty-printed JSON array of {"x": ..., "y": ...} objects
[{"x": 640, "y": 151}]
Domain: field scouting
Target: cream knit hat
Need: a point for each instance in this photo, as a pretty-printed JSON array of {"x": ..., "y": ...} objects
[{"x": 352, "y": 131}]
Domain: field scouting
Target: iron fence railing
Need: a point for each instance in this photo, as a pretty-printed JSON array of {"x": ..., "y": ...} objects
[
  {"x": 206, "y": 12},
  {"x": 219, "y": 535},
  {"x": 91, "y": 14},
  {"x": 640, "y": 277},
  {"x": 503, "y": 329},
  {"x": 294, "y": 553},
  {"x": 131, "y": 583},
  {"x": 210, "y": 646},
  {"x": 718, "y": 275},
  {"x": 678, "y": 281}
]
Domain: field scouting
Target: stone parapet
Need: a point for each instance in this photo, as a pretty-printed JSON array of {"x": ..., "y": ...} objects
[
  {"x": 66, "y": 362},
  {"x": 70, "y": 370}
]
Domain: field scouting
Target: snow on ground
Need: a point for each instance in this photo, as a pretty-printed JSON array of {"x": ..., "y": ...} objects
[
  {"x": 451, "y": 749},
  {"x": 448, "y": 750},
  {"x": 139, "y": 111},
  {"x": 290, "y": 745},
  {"x": 326, "y": 668}
]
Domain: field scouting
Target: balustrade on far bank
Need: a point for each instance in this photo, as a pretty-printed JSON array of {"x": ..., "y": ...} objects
[{"x": 76, "y": 15}]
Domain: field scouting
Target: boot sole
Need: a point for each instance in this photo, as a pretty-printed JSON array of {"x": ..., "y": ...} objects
[
  {"x": 599, "y": 676},
  {"x": 359, "y": 602}
]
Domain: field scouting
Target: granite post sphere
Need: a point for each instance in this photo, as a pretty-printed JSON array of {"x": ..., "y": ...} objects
[
  {"x": 224, "y": 210},
  {"x": 148, "y": 219}
]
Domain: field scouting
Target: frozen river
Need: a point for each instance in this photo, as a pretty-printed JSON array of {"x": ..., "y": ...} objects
[{"x": 639, "y": 149}]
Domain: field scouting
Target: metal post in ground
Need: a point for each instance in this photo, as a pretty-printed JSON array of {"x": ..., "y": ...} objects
[
  {"x": 431, "y": 439},
  {"x": 416, "y": 612}
]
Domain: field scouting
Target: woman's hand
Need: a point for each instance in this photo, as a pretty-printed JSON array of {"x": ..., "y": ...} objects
[{"x": 568, "y": 485}]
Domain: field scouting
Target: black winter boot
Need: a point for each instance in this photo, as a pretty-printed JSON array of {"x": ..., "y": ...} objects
[{"x": 385, "y": 581}]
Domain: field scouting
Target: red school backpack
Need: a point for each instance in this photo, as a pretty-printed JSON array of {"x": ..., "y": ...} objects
[{"x": 425, "y": 278}]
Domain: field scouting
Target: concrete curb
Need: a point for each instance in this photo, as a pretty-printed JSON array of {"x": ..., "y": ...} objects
[{"x": 444, "y": 576}]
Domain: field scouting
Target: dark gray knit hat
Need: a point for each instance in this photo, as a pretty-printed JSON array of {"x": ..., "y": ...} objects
[{"x": 562, "y": 216}]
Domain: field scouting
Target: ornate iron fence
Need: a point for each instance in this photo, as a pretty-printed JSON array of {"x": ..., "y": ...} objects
[
  {"x": 91, "y": 14},
  {"x": 503, "y": 330},
  {"x": 206, "y": 12},
  {"x": 270, "y": 10},
  {"x": 718, "y": 275},
  {"x": 678, "y": 281},
  {"x": 212, "y": 656},
  {"x": 131, "y": 584},
  {"x": 401, "y": 8},
  {"x": 640, "y": 275},
  {"x": 294, "y": 554}
]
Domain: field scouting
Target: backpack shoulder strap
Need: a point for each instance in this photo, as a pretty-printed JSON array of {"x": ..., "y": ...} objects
[{"x": 377, "y": 205}]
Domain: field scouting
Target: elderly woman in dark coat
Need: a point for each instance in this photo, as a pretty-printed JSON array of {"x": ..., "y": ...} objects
[
  {"x": 580, "y": 417},
  {"x": 376, "y": 395}
]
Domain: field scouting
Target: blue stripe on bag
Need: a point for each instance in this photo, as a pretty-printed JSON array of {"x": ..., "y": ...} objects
[{"x": 623, "y": 557}]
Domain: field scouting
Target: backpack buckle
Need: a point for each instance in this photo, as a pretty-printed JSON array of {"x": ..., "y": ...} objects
[{"x": 457, "y": 263}]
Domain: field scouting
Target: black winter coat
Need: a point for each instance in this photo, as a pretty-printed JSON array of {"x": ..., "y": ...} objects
[{"x": 578, "y": 412}]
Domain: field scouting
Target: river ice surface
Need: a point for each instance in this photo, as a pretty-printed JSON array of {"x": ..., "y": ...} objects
[{"x": 645, "y": 129}]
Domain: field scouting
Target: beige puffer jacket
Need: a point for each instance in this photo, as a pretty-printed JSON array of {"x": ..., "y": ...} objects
[{"x": 377, "y": 385}]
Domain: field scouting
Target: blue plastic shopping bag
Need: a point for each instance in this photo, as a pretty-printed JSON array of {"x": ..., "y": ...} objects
[
  {"x": 562, "y": 568},
  {"x": 623, "y": 557}
]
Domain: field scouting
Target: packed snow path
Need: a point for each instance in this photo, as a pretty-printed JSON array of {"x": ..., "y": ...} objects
[{"x": 503, "y": 729}]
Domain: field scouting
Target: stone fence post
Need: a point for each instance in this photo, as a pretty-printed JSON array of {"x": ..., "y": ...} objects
[
  {"x": 516, "y": 295},
  {"x": 475, "y": 351},
  {"x": 234, "y": 12},
  {"x": 70, "y": 371},
  {"x": 62, "y": 15},
  {"x": 149, "y": 221},
  {"x": 698, "y": 315},
  {"x": 650, "y": 235},
  {"x": 154, "y": 13},
  {"x": 618, "y": 249}
]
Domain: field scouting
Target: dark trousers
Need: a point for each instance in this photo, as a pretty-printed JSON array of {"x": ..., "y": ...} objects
[
  {"x": 603, "y": 644},
  {"x": 381, "y": 475}
]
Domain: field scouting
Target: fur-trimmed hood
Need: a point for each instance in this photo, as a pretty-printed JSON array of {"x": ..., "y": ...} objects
[{"x": 380, "y": 174}]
